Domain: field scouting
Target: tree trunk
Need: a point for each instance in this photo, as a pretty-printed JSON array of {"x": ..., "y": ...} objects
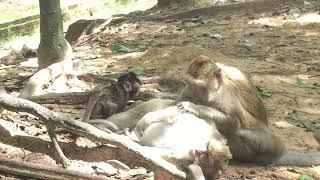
[{"x": 53, "y": 47}]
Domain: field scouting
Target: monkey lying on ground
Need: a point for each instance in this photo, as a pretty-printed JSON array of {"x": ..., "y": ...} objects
[
  {"x": 171, "y": 129},
  {"x": 223, "y": 95},
  {"x": 111, "y": 98}
]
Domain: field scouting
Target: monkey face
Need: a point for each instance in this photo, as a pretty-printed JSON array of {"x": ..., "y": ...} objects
[
  {"x": 135, "y": 87},
  {"x": 203, "y": 76},
  {"x": 130, "y": 83}
]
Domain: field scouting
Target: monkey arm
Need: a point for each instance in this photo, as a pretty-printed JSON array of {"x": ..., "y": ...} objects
[
  {"x": 223, "y": 121},
  {"x": 160, "y": 116},
  {"x": 185, "y": 95}
]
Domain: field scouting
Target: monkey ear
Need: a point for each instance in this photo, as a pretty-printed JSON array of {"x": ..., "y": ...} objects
[
  {"x": 138, "y": 80},
  {"x": 127, "y": 86},
  {"x": 217, "y": 72}
]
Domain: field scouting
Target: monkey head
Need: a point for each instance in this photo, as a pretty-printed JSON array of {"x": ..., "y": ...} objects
[
  {"x": 203, "y": 77},
  {"x": 214, "y": 159},
  {"x": 130, "y": 83}
]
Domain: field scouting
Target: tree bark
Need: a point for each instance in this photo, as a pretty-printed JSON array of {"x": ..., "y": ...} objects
[
  {"x": 39, "y": 171},
  {"x": 53, "y": 46},
  {"x": 164, "y": 3}
]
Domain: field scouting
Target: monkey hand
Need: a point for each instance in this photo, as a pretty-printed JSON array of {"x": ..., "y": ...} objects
[
  {"x": 188, "y": 107},
  {"x": 141, "y": 127},
  {"x": 162, "y": 117}
]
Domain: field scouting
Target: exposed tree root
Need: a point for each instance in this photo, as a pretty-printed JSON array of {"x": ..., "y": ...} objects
[
  {"x": 52, "y": 119},
  {"x": 39, "y": 171}
]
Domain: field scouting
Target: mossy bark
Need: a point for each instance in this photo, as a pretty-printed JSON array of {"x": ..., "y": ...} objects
[{"x": 53, "y": 46}]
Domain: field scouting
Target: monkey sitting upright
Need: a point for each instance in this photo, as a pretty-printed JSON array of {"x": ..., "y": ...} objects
[
  {"x": 223, "y": 94},
  {"x": 111, "y": 98}
]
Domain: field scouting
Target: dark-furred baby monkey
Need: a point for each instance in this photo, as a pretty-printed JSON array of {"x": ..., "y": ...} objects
[{"x": 111, "y": 98}]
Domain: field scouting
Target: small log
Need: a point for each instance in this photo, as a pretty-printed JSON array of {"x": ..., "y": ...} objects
[
  {"x": 73, "y": 98},
  {"x": 40, "y": 171}
]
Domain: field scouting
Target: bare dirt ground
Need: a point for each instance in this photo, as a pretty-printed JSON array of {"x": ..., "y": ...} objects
[{"x": 277, "y": 48}]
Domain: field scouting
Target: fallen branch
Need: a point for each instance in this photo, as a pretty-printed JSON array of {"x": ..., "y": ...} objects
[
  {"x": 83, "y": 97},
  {"x": 52, "y": 120},
  {"x": 72, "y": 98},
  {"x": 40, "y": 171}
]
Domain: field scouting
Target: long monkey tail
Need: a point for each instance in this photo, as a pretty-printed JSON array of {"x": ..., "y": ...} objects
[{"x": 299, "y": 159}]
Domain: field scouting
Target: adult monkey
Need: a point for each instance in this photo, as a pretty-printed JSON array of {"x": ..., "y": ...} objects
[{"x": 224, "y": 95}]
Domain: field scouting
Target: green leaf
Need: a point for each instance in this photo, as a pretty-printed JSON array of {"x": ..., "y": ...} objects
[
  {"x": 66, "y": 110},
  {"x": 121, "y": 48},
  {"x": 114, "y": 76},
  {"x": 305, "y": 177},
  {"x": 137, "y": 70},
  {"x": 264, "y": 94},
  {"x": 296, "y": 119},
  {"x": 305, "y": 84}
]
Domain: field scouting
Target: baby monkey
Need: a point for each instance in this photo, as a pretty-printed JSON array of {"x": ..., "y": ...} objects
[{"x": 111, "y": 98}]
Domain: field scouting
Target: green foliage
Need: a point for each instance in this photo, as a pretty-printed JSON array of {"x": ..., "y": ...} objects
[
  {"x": 121, "y": 48},
  {"x": 264, "y": 94},
  {"x": 66, "y": 110},
  {"x": 304, "y": 176},
  {"x": 21, "y": 9},
  {"x": 114, "y": 76},
  {"x": 297, "y": 120},
  {"x": 137, "y": 70},
  {"x": 304, "y": 84}
]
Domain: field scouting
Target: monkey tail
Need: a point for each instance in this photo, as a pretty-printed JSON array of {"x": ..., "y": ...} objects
[{"x": 299, "y": 159}]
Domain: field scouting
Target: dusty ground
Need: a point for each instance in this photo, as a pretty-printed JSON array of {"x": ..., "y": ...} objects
[{"x": 275, "y": 48}]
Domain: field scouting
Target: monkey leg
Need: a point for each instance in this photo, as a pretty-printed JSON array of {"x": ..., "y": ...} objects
[
  {"x": 105, "y": 125},
  {"x": 107, "y": 109},
  {"x": 195, "y": 172},
  {"x": 90, "y": 107},
  {"x": 259, "y": 146},
  {"x": 129, "y": 118}
]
